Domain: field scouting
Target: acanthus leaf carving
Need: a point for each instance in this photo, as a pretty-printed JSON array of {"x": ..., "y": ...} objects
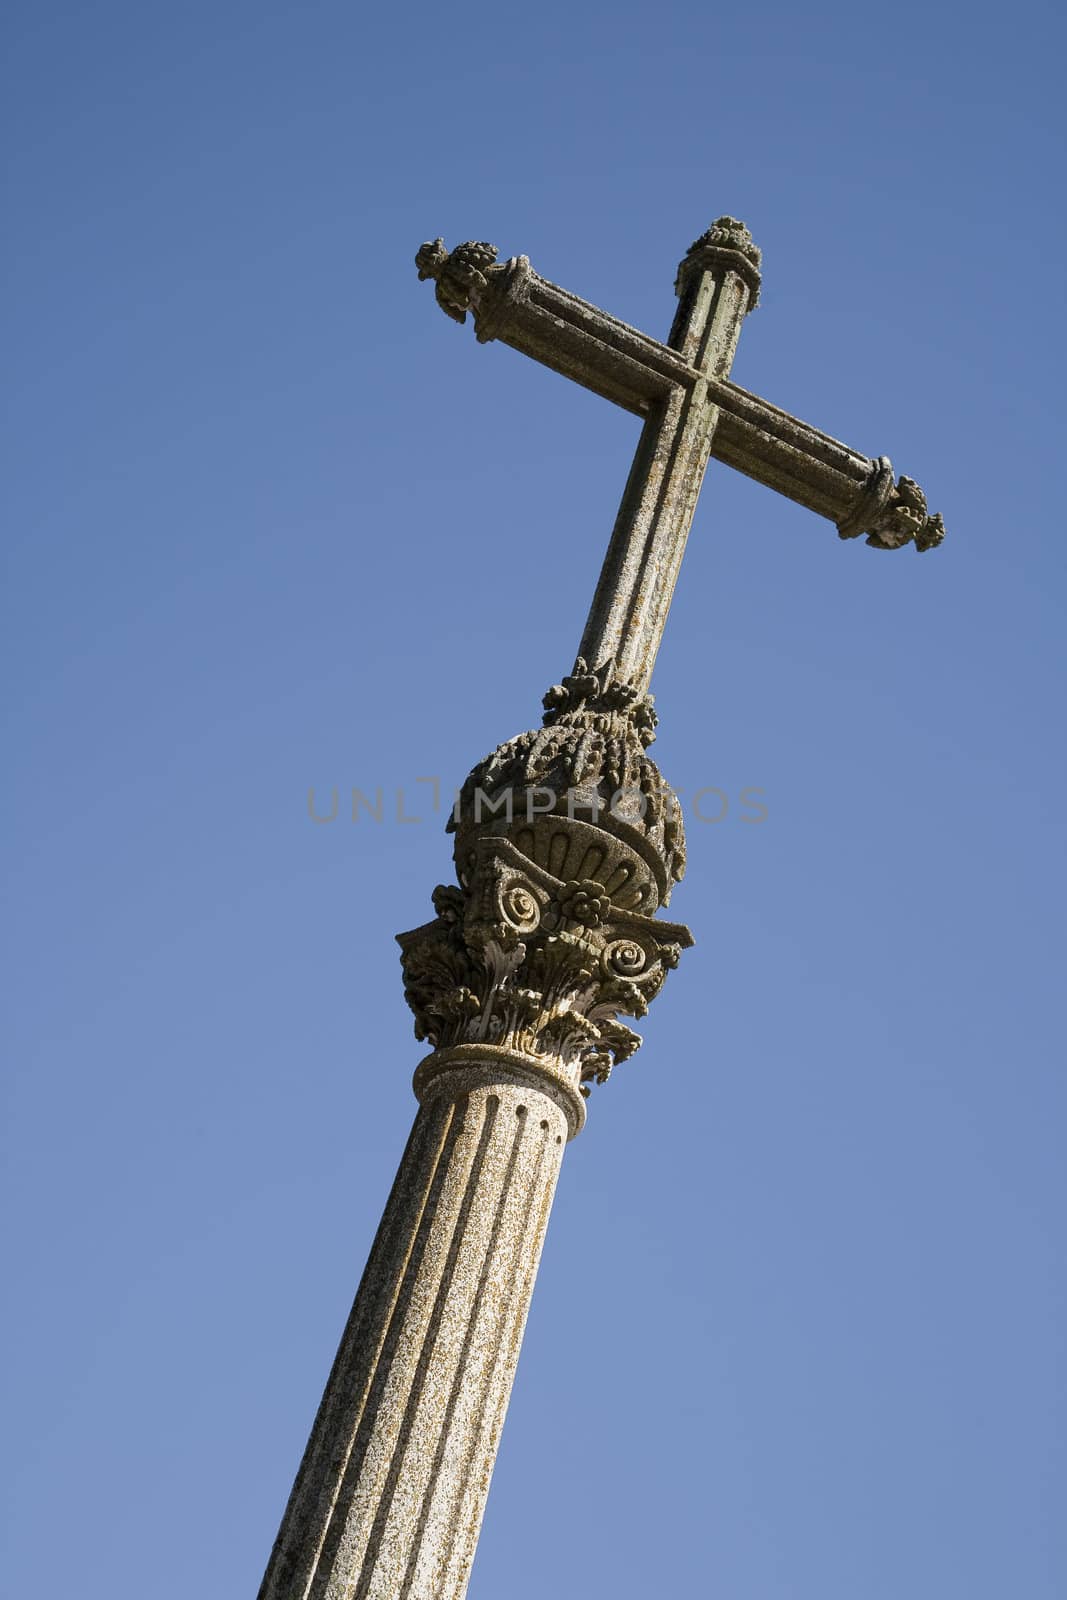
[
  {"x": 462, "y": 275},
  {"x": 905, "y": 519},
  {"x": 892, "y": 513},
  {"x": 546, "y": 966}
]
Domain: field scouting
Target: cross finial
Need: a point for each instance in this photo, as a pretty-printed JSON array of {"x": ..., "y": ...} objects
[{"x": 726, "y": 243}]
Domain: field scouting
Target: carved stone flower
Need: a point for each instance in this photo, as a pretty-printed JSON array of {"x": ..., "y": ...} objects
[
  {"x": 729, "y": 233},
  {"x": 620, "y": 696},
  {"x": 460, "y": 273},
  {"x": 670, "y": 954},
  {"x": 579, "y": 685},
  {"x": 903, "y": 519},
  {"x": 584, "y": 901},
  {"x": 931, "y": 534},
  {"x": 448, "y": 902},
  {"x": 457, "y": 1005},
  {"x": 430, "y": 258},
  {"x": 645, "y": 720}
]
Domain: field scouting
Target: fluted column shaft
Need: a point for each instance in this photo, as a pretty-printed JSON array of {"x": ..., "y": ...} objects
[{"x": 389, "y": 1497}]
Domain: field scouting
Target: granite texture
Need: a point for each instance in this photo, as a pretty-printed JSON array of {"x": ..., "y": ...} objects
[
  {"x": 389, "y": 1497},
  {"x": 567, "y": 843},
  {"x": 691, "y": 411}
]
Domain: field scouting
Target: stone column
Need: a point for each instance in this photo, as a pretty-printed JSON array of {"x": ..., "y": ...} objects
[
  {"x": 389, "y": 1498},
  {"x": 518, "y": 984}
]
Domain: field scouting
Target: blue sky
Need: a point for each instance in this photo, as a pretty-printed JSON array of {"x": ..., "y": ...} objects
[{"x": 275, "y": 523}]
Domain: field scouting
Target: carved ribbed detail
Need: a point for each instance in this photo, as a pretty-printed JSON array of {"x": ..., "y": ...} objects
[
  {"x": 718, "y": 282},
  {"x": 452, "y": 1506},
  {"x": 390, "y": 1495},
  {"x": 498, "y": 1389}
]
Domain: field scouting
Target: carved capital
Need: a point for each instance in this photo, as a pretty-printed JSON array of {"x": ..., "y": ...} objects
[
  {"x": 523, "y": 960},
  {"x": 567, "y": 840},
  {"x": 892, "y": 513}
]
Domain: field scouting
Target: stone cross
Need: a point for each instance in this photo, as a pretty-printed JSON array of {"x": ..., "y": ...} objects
[
  {"x": 682, "y": 391},
  {"x": 567, "y": 842}
]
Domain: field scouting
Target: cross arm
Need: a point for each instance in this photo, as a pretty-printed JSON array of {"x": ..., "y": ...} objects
[
  {"x": 512, "y": 303},
  {"x": 858, "y": 494}
]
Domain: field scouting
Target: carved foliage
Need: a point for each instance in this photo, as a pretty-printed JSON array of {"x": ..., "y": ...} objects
[
  {"x": 727, "y": 243},
  {"x": 892, "y": 513},
  {"x": 729, "y": 233},
  {"x": 462, "y": 275},
  {"x": 905, "y": 519},
  {"x": 590, "y": 755},
  {"x": 588, "y": 694},
  {"x": 522, "y": 959}
]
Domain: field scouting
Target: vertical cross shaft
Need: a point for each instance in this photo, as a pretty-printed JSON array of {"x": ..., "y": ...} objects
[{"x": 718, "y": 282}]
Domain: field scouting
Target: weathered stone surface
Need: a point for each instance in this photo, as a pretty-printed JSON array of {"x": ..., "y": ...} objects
[
  {"x": 389, "y": 1497},
  {"x": 519, "y": 983},
  {"x": 692, "y": 411},
  {"x": 540, "y": 964},
  {"x": 588, "y": 762},
  {"x": 567, "y": 842}
]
